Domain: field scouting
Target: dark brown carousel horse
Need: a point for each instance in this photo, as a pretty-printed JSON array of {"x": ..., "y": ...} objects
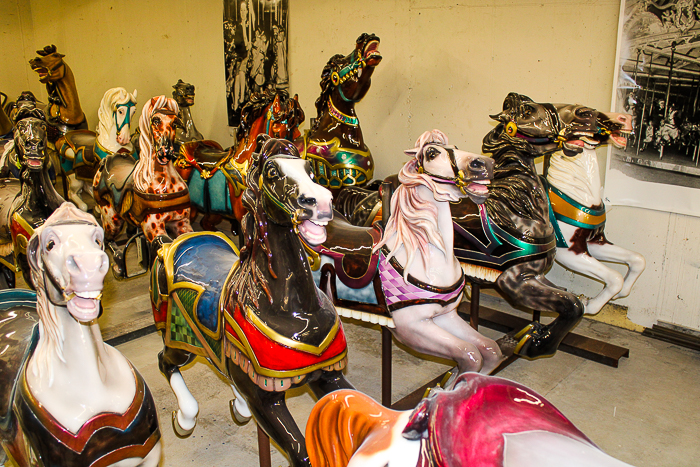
[
  {"x": 149, "y": 194},
  {"x": 274, "y": 330},
  {"x": 64, "y": 112},
  {"x": 216, "y": 177},
  {"x": 183, "y": 93},
  {"x": 25, "y": 204},
  {"x": 335, "y": 144}
]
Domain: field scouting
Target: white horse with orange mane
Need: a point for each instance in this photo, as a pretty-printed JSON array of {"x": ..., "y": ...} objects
[
  {"x": 82, "y": 150},
  {"x": 148, "y": 193}
]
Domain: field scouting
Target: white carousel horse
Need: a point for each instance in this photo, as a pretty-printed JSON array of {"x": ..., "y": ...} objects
[
  {"x": 575, "y": 192},
  {"x": 71, "y": 399},
  {"x": 421, "y": 279},
  {"x": 483, "y": 421},
  {"x": 85, "y": 148}
]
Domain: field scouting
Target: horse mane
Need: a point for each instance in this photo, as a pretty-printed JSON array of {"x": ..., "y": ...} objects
[
  {"x": 254, "y": 227},
  {"x": 414, "y": 220},
  {"x": 108, "y": 105},
  {"x": 50, "y": 330},
  {"x": 511, "y": 190},
  {"x": 144, "y": 171},
  {"x": 334, "y": 64},
  {"x": 329, "y": 446}
]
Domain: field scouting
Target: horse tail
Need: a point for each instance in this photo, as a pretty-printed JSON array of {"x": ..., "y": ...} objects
[{"x": 338, "y": 425}]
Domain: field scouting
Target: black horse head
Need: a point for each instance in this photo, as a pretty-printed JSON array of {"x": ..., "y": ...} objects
[
  {"x": 285, "y": 114},
  {"x": 538, "y": 129},
  {"x": 350, "y": 76},
  {"x": 183, "y": 93},
  {"x": 30, "y": 143}
]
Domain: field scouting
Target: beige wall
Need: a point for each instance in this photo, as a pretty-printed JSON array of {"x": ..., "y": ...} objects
[{"x": 445, "y": 66}]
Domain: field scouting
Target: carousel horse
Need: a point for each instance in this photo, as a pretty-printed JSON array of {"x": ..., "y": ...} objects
[
  {"x": 183, "y": 93},
  {"x": 420, "y": 279},
  {"x": 484, "y": 421},
  {"x": 216, "y": 178},
  {"x": 259, "y": 319},
  {"x": 81, "y": 151},
  {"x": 26, "y": 202},
  {"x": 68, "y": 398},
  {"x": 64, "y": 111},
  {"x": 574, "y": 190},
  {"x": 335, "y": 144}
]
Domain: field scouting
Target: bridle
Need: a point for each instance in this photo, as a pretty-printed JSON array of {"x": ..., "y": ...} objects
[
  {"x": 459, "y": 176},
  {"x": 286, "y": 207},
  {"x": 127, "y": 118}
]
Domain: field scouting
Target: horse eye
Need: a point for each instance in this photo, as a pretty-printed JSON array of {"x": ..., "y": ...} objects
[
  {"x": 432, "y": 152},
  {"x": 272, "y": 171},
  {"x": 156, "y": 121},
  {"x": 50, "y": 245}
]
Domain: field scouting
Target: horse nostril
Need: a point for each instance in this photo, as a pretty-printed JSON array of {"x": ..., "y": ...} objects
[{"x": 309, "y": 201}]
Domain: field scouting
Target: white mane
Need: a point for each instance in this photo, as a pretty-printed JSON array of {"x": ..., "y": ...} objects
[
  {"x": 145, "y": 168},
  {"x": 50, "y": 329},
  {"x": 107, "y": 128}
]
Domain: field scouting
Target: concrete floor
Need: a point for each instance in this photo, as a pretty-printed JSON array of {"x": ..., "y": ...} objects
[{"x": 646, "y": 412}]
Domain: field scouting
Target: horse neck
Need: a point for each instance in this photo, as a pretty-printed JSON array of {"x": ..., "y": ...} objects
[
  {"x": 38, "y": 192},
  {"x": 72, "y": 113},
  {"x": 191, "y": 131},
  {"x": 350, "y": 135},
  {"x": 247, "y": 145},
  {"x": 578, "y": 176}
]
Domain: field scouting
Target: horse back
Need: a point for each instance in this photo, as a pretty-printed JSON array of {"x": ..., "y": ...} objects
[{"x": 116, "y": 176}]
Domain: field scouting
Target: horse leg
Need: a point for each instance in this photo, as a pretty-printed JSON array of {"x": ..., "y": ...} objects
[
  {"x": 170, "y": 361},
  {"x": 210, "y": 221},
  {"x": 74, "y": 190},
  {"x": 416, "y": 328},
  {"x": 328, "y": 381},
  {"x": 523, "y": 284},
  {"x": 455, "y": 325},
  {"x": 635, "y": 262},
  {"x": 111, "y": 221},
  {"x": 269, "y": 408},
  {"x": 180, "y": 223},
  {"x": 153, "y": 225},
  {"x": 588, "y": 265}
]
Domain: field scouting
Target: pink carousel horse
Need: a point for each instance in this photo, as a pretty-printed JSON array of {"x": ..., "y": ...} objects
[{"x": 484, "y": 421}]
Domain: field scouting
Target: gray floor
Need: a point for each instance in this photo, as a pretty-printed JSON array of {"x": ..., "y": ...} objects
[{"x": 646, "y": 412}]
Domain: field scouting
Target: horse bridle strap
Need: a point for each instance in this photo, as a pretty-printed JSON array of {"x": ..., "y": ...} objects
[
  {"x": 127, "y": 118},
  {"x": 271, "y": 196},
  {"x": 458, "y": 179}
]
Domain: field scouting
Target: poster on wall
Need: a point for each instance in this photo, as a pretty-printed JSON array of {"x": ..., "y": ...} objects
[
  {"x": 657, "y": 81},
  {"x": 255, "y": 50}
]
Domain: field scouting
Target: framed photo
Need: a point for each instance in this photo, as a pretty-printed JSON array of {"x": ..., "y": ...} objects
[
  {"x": 657, "y": 81},
  {"x": 255, "y": 50}
]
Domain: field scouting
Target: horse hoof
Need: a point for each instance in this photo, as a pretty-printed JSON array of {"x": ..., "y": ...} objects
[
  {"x": 535, "y": 341},
  {"x": 179, "y": 431},
  {"x": 236, "y": 415}
]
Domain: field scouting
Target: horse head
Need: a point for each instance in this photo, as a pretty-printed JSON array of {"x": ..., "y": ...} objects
[
  {"x": 48, "y": 65},
  {"x": 281, "y": 183},
  {"x": 448, "y": 166},
  {"x": 30, "y": 142},
  {"x": 538, "y": 129},
  {"x": 183, "y": 93},
  {"x": 350, "y": 76},
  {"x": 284, "y": 116},
  {"x": 116, "y": 112},
  {"x": 158, "y": 124},
  {"x": 68, "y": 263},
  {"x": 613, "y": 127}
]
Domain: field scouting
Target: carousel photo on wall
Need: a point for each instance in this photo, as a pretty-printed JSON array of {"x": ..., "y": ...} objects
[
  {"x": 255, "y": 50},
  {"x": 657, "y": 81}
]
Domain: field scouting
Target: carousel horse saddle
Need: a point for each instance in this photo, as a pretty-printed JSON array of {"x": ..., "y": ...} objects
[
  {"x": 350, "y": 247},
  {"x": 117, "y": 172},
  {"x": 19, "y": 335},
  {"x": 201, "y": 263},
  {"x": 210, "y": 194},
  {"x": 206, "y": 155},
  {"x": 480, "y": 241}
]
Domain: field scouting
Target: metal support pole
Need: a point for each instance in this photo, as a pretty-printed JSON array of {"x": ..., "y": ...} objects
[
  {"x": 386, "y": 334},
  {"x": 474, "y": 306},
  {"x": 264, "y": 449}
]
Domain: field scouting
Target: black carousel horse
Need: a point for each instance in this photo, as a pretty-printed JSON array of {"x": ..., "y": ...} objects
[
  {"x": 274, "y": 330},
  {"x": 25, "y": 203}
]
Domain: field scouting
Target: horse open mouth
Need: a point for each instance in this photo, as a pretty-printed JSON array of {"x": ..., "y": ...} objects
[
  {"x": 313, "y": 232},
  {"x": 85, "y": 305},
  {"x": 619, "y": 139},
  {"x": 34, "y": 162},
  {"x": 478, "y": 191},
  {"x": 371, "y": 52}
]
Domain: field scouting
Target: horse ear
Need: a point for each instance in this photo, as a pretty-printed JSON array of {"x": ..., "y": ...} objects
[
  {"x": 260, "y": 140},
  {"x": 411, "y": 152},
  {"x": 418, "y": 422},
  {"x": 134, "y": 94}
]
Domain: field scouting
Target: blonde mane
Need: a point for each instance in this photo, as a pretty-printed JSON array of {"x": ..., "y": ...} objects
[
  {"x": 145, "y": 168},
  {"x": 50, "y": 329},
  {"x": 414, "y": 220},
  {"x": 108, "y": 105}
]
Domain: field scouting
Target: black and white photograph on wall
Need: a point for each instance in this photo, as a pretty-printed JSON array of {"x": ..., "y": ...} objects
[
  {"x": 255, "y": 50},
  {"x": 657, "y": 81}
]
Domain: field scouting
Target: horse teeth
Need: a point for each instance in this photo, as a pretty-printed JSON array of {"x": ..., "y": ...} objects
[{"x": 89, "y": 295}]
